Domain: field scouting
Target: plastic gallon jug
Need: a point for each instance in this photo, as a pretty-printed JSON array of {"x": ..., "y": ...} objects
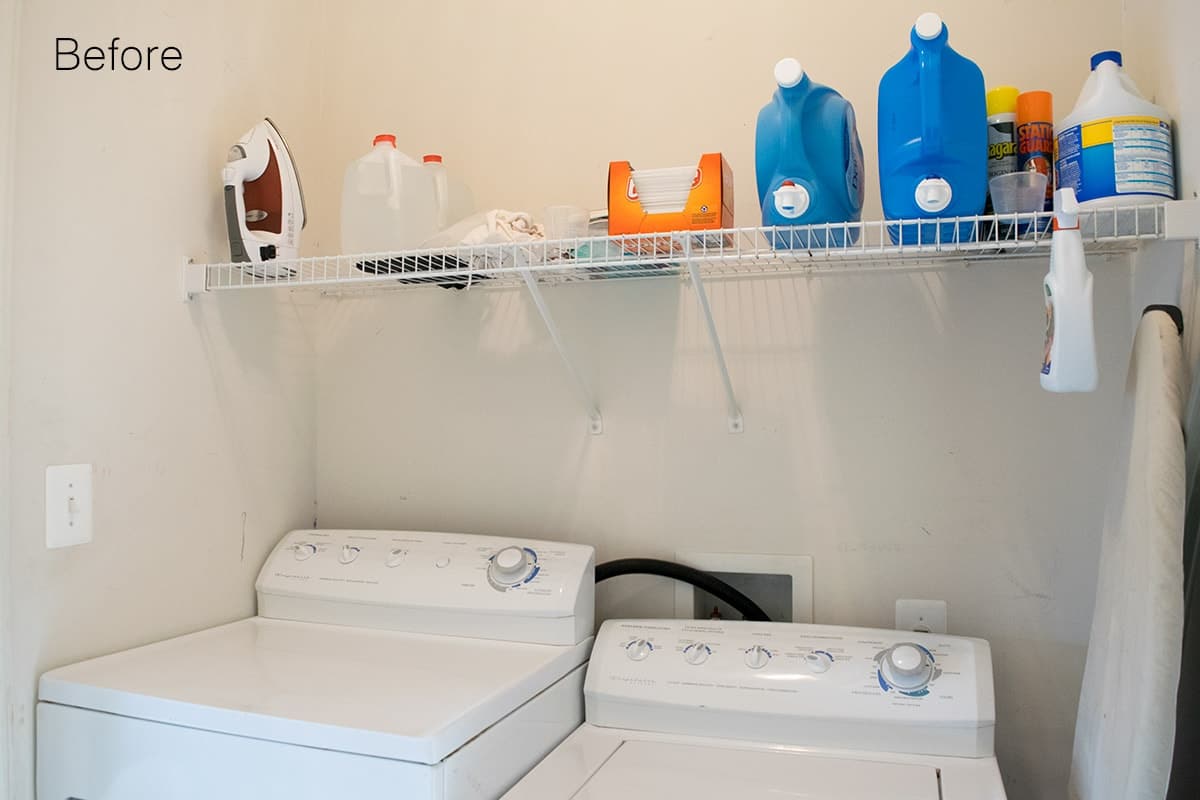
[
  {"x": 932, "y": 138},
  {"x": 808, "y": 161},
  {"x": 1115, "y": 147},
  {"x": 389, "y": 201},
  {"x": 453, "y": 197}
]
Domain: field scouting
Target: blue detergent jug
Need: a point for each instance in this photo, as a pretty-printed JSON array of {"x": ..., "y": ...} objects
[
  {"x": 808, "y": 162},
  {"x": 932, "y": 138}
]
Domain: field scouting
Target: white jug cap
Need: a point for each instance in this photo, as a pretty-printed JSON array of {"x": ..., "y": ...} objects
[
  {"x": 934, "y": 194},
  {"x": 791, "y": 200},
  {"x": 788, "y": 72},
  {"x": 929, "y": 26}
]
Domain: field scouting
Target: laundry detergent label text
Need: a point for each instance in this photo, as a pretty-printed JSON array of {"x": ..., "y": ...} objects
[{"x": 115, "y": 56}]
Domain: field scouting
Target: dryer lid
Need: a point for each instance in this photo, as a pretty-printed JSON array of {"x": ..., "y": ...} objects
[
  {"x": 406, "y": 696},
  {"x": 649, "y": 770}
]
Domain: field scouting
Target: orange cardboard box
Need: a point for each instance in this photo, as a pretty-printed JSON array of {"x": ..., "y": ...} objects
[{"x": 709, "y": 204}]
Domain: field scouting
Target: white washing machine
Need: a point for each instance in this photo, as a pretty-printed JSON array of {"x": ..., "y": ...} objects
[
  {"x": 381, "y": 665},
  {"x": 758, "y": 710}
]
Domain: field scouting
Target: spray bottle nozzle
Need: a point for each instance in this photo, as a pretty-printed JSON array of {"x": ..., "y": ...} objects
[{"x": 1066, "y": 209}]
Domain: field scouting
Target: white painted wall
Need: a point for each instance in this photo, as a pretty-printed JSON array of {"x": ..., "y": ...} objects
[
  {"x": 1161, "y": 55},
  {"x": 895, "y": 428},
  {"x": 9, "y": 14},
  {"x": 198, "y": 419},
  {"x": 532, "y": 105}
]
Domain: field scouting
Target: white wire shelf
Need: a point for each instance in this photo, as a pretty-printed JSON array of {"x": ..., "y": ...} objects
[
  {"x": 731, "y": 253},
  {"x": 700, "y": 256}
]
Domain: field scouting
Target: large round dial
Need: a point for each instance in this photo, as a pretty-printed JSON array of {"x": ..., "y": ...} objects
[
  {"x": 304, "y": 551},
  {"x": 757, "y": 657},
  {"x": 510, "y": 565},
  {"x": 906, "y": 666},
  {"x": 639, "y": 649}
]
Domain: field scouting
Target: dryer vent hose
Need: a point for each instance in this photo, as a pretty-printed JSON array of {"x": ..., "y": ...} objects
[{"x": 680, "y": 572}]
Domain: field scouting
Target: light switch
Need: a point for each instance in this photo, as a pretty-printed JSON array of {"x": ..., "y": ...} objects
[{"x": 68, "y": 505}]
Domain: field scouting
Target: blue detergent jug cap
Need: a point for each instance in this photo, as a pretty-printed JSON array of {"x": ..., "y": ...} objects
[{"x": 1107, "y": 55}]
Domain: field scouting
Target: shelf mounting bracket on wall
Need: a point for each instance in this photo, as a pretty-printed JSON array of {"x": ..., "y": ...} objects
[
  {"x": 736, "y": 423},
  {"x": 193, "y": 280},
  {"x": 595, "y": 421}
]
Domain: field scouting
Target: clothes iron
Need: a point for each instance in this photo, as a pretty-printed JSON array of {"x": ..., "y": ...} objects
[{"x": 264, "y": 202}]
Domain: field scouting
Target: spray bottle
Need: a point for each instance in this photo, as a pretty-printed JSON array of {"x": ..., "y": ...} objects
[{"x": 1069, "y": 358}]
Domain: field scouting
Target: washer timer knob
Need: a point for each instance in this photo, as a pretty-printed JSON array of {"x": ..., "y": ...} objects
[
  {"x": 304, "y": 551},
  {"x": 509, "y": 566},
  {"x": 757, "y": 657},
  {"x": 906, "y": 666},
  {"x": 349, "y": 553}
]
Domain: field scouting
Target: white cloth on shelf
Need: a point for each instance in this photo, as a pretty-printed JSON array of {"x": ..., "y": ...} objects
[{"x": 1125, "y": 730}]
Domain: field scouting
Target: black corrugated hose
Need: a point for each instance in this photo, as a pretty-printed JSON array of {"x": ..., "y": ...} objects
[{"x": 680, "y": 572}]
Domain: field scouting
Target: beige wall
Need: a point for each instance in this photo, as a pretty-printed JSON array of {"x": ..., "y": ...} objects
[
  {"x": 198, "y": 418},
  {"x": 895, "y": 428},
  {"x": 9, "y": 14},
  {"x": 531, "y": 105},
  {"x": 1161, "y": 55}
]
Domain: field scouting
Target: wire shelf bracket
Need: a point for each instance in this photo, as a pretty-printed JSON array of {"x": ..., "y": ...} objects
[
  {"x": 193, "y": 280},
  {"x": 736, "y": 422},
  {"x": 595, "y": 421}
]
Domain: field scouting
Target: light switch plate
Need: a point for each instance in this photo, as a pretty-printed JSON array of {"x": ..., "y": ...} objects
[
  {"x": 925, "y": 616},
  {"x": 68, "y": 505}
]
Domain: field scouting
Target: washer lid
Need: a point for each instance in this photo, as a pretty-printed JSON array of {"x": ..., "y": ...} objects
[
  {"x": 643, "y": 770},
  {"x": 406, "y": 696}
]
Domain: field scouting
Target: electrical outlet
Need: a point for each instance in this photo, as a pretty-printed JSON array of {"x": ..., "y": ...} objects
[
  {"x": 922, "y": 616},
  {"x": 780, "y": 584}
]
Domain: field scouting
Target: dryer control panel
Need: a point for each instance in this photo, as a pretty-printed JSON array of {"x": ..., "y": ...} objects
[
  {"x": 525, "y": 590},
  {"x": 795, "y": 684}
]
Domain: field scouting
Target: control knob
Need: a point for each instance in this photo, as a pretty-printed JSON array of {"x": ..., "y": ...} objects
[
  {"x": 509, "y": 566},
  {"x": 349, "y": 553},
  {"x": 818, "y": 662},
  {"x": 639, "y": 649},
  {"x": 304, "y": 551},
  {"x": 696, "y": 653},
  {"x": 757, "y": 657},
  {"x": 906, "y": 666}
]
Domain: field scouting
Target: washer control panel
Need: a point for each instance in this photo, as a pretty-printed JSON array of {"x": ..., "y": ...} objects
[
  {"x": 427, "y": 581},
  {"x": 673, "y": 675}
]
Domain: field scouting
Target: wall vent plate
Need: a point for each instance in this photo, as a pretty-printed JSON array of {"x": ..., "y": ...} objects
[{"x": 781, "y": 584}]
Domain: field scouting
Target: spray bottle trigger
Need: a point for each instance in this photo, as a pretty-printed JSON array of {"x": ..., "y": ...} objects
[{"x": 1066, "y": 210}]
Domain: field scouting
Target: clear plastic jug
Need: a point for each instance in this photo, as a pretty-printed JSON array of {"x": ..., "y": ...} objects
[
  {"x": 389, "y": 201},
  {"x": 454, "y": 197}
]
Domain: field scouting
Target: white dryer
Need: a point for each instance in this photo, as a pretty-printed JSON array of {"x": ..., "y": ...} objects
[
  {"x": 424, "y": 666},
  {"x": 764, "y": 711}
]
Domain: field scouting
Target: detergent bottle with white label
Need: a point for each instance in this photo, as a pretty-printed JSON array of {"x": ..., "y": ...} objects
[
  {"x": 1069, "y": 356},
  {"x": 1115, "y": 147}
]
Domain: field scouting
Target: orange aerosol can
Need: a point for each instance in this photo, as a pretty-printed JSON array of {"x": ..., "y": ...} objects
[{"x": 1035, "y": 138}]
